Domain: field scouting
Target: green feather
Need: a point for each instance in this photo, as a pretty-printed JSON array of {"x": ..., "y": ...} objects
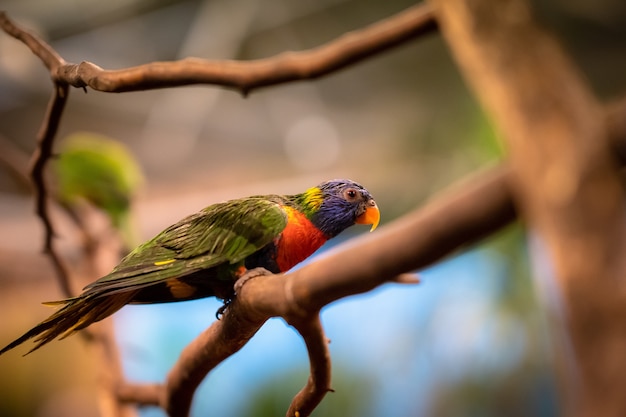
[
  {"x": 204, "y": 253},
  {"x": 222, "y": 233}
]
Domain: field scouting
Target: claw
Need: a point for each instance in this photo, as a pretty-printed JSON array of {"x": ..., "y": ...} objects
[
  {"x": 220, "y": 311},
  {"x": 244, "y": 276}
]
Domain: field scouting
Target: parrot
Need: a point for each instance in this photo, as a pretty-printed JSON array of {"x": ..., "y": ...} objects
[
  {"x": 102, "y": 171},
  {"x": 205, "y": 253}
]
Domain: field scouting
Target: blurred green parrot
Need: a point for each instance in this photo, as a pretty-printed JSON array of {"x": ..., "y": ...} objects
[
  {"x": 103, "y": 172},
  {"x": 205, "y": 253}
]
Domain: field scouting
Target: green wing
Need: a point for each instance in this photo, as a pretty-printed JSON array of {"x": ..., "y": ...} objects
[{"x": 222, "y": 233}]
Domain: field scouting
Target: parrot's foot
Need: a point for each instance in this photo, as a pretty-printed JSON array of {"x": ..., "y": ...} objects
[
  {"x": 243, "y": 278},
  {"x": 246, "y": 275},
  {"x": 249, "y": 274}
]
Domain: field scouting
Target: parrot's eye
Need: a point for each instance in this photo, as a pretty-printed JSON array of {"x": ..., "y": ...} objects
[{"x": 350, "y": 194}]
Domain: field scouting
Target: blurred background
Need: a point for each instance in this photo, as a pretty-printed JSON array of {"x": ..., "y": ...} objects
[{"x": 474, "y": 339}]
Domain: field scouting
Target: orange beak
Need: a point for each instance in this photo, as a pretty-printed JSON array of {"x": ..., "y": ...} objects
[{"x": 371, "y": 216}]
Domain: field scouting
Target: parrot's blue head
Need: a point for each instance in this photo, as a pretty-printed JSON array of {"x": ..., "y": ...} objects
[{"x": 338, "y": 204}]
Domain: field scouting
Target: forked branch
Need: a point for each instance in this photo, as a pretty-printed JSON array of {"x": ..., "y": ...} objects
[{"x": 458, "y": 218}]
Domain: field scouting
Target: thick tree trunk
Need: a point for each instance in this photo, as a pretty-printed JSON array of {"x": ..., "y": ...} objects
[{"x": 567, "y": 184}]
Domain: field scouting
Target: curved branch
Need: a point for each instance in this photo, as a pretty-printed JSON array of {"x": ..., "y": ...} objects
[
  {"x": 222, "y": 339},
  {"x": 243, "y": 76},
  {"x": 50, "y": 58},
  {"x": 318, "y": 383},
  {"x": 466, "y": 213},
  {"x": 476, "y": 209}
]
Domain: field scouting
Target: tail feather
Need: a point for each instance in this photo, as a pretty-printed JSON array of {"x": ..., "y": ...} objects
[{"x": 76, "y": 314}]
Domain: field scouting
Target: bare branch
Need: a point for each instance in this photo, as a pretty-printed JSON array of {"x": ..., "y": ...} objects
[
  {"x": 243, "y": 76},
  {"x": 460, "y": 217},
  {"x": 475, "y": 208},
  {"x": 218, "y": 342},
  {"x": 40, "y": 157},
  {"x": 318, "y": 383},
  {"x": 139, "y": 394},
  {"x": 50, "y": 58}
]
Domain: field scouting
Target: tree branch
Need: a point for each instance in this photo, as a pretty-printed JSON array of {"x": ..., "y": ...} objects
[
  {"x": 465, "y": 214},
  {"x": 218, "y": 342},
  {"x": 50, "y": 58},
  {"x": 40, "y": 157},
  {"x": 318, "y": 383},
  {"x": 139, "y": 394},
  {"x": 243, "y": 76}
]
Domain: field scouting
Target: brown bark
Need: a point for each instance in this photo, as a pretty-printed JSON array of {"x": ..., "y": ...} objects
[{"x": 566, "y": 182}]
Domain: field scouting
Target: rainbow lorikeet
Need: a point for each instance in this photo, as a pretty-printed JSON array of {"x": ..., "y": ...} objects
[
  {"x": 205, "y": 253},
  {"x": 102, "y": 171}
]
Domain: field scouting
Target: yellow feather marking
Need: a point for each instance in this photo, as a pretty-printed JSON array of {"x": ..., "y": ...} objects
[
  {"x": 54, "y": 303},
  {"x": 74, "y": 328},
  {"x": 107, "y": 306},
  {"x": 179, "y": 289},
  {"x": 314, "y": 197},
  {"x": 169, "y": 261}
]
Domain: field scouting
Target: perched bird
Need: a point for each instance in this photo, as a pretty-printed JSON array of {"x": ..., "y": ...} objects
[
  {"x": 205, "y": 253},
  {"x": 102, "y": 171}
]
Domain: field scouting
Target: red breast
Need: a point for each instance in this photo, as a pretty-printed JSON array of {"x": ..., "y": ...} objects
[{"x": 298, "y": 241}]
